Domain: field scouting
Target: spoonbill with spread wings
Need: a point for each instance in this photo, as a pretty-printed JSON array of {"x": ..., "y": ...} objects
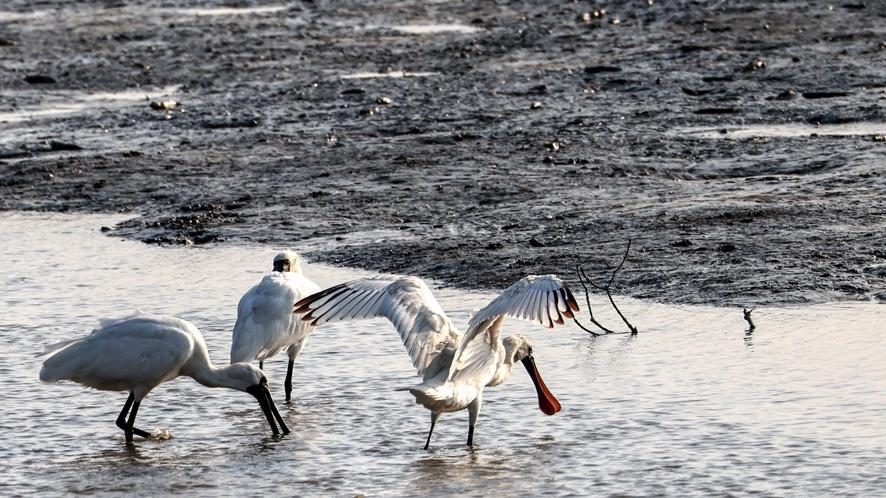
[{"x": 455, "y": 368}]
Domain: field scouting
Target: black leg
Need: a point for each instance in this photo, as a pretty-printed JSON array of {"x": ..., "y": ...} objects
[
  {"x": 287, "y": 384},
  {"x": 121, "y": 419},
  {"x": 261, "y": 365},
  {"x": 130, "y": 425},
  {"x": 471, "y": 436},
  {"x": 434, "y": 417}
]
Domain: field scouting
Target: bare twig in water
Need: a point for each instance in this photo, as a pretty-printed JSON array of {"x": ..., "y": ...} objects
[
  {"x": 747, "y": 317},
  {"x": 583, "y": 278}
]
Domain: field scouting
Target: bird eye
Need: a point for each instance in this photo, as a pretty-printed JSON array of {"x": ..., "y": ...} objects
[{"x": 530, "y": 350}]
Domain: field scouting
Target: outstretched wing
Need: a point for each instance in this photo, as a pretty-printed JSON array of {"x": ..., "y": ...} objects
[
  {"x": 405, "y": 301},
  {"x": 543, "y": 299}
]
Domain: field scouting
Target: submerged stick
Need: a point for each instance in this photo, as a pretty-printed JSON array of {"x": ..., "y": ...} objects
[{"x": 747, "y": 317}]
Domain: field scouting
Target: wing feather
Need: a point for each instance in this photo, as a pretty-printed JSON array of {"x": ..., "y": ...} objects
[
  {"x": 406, "y": 301},
  {"x": 533, "y": 298}
]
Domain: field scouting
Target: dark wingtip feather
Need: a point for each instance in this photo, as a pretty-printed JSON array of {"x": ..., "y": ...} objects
[
  {"x": 304, "y": 305},
  {"x": 570, "y": 299}
]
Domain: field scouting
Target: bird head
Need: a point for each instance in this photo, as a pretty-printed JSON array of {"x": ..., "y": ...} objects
[
  {"x": 518, "y": 347},
  {"x": 248, "y": 378},
  {"x": 287, "y": 261}
]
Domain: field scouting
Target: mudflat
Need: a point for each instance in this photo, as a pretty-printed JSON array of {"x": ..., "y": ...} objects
[{"x": 739, "y": 145}]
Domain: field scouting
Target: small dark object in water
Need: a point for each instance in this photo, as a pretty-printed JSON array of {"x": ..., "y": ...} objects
[
  {"x": 726, "y": 247},
  {"x": 682, "y": 243},
  {"x": 825, "y": 95},
  {"x": 165, "y": 105},
  {"x": 602, "y": 69},
  {"x": 854, "y": 6},
  {"x": 54, "y": 145},
  {"x": 716, "y": 110},
  {"x": 538, "y": 90},
  {"x": 879, "y": 138},
  {"x": 534, "y": 242},
  {"x": 535, "y": 105},
  {"x": 353, "y": 91},
  {"x": 105, "y": 229},
  {"x": 785, "y": 95},
  {"x": 755, "y": 65},
  {"x": 6, "y": 42},
  {"x": 39, "y": 79},
  {"x": 693, "y": 48}
]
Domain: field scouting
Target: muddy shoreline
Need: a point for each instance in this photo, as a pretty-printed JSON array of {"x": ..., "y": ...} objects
[{"x": 469, "y": 143}]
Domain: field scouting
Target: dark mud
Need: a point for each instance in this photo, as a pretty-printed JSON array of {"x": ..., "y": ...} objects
[{"x": 522, "y": 138}]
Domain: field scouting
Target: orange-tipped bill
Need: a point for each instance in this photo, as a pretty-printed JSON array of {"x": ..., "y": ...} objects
[{"x": 546, "y": 401}]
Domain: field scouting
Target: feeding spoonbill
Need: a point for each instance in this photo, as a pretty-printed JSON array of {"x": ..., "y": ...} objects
[
  {"x": 265, "y": 323},
  {"x": 455, "y": 368},
  {"x": 139, "y": 352}
]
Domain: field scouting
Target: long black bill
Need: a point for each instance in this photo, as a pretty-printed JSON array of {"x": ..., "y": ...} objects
[
  {"x": 274, "y": 411},
  {"x": 260, "y": 392},
  {"x": 546, "y": 401}
]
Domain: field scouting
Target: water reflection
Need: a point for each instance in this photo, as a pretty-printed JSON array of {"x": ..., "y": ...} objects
[{"x": 749, "y": 338}]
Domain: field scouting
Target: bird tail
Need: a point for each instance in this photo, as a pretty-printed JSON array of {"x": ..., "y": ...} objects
[{"x": 429, "y": 396}]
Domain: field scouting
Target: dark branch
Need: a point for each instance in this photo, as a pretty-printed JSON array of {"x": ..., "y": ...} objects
[
  {"x": 747, "y": 317},
  {"x": 623, "y": 259},
  {"x": 581, "y": 278},
  {"x": 585, "y": 280}
]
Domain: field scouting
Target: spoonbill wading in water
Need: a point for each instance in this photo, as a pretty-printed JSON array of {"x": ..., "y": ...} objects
[
  {"x": 455, "y": 368},
  {"x": 265, "y": 323},
  {"x": 142, "y": 351}
]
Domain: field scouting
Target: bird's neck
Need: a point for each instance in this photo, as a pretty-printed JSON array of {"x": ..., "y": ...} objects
[
  {"x": 504, "y": 366},
  {"x": 217, "y": 377},
  {"x": 201, "y": 369}
]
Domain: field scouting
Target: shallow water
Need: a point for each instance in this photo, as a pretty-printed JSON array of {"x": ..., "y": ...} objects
[{"x": 694, "y": 405}]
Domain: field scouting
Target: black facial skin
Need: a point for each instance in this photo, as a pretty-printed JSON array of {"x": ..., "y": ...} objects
[{"x": 282, "y": 265}]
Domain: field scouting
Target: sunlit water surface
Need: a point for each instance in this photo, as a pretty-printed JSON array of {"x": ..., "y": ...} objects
[{"x": 694, "y": 405}]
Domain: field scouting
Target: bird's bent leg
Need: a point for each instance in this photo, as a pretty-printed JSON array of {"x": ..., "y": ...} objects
[
  {"x": 130, "y": 425},
  {"x": 121, "y": 419},
  {"x": 474, "y": 414},
  {"x": 434, "y": 417}
]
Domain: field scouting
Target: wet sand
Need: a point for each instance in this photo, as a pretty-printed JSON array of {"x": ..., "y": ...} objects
[{"x": 738, "y": 144}]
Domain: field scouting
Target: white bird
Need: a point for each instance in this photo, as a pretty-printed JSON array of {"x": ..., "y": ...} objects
[
  {"x": 455, "y": 368},
  {"x": 139, "y": 352},
  {"x": 265, "y": 323}
]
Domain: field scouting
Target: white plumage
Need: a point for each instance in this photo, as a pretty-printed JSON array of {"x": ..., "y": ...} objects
[
  {"x": 139, "y": 352},
  {"x": 265, "y": 323},
  {"x": 455, "y": 368}
]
